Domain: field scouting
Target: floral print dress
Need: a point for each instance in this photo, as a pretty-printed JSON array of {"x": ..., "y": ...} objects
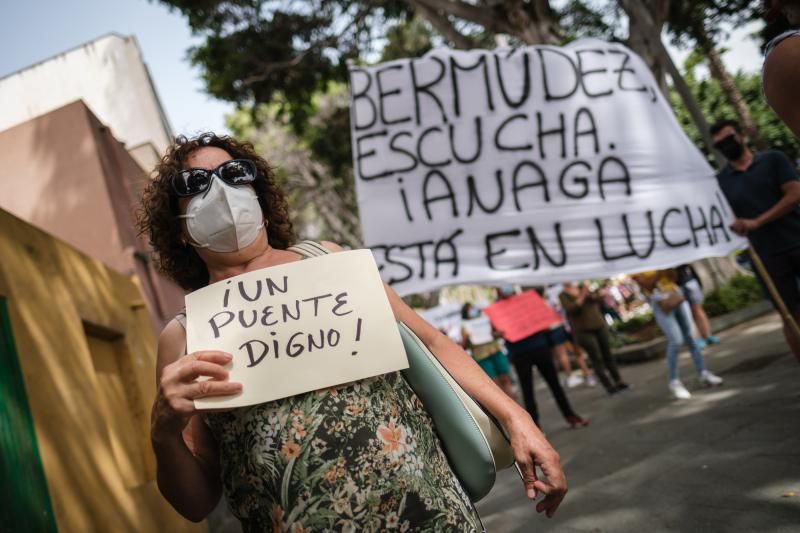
[{"x": 360, "y": 457}]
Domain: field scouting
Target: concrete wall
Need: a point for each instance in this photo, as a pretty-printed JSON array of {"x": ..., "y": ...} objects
[
  {"x": 109, "y": 74},
  {"x": 87, "y": 354},
  {"x": 58, "y": 180},
  {"x": 716, "y": 272},
  {"x": 72, "y": 178}
]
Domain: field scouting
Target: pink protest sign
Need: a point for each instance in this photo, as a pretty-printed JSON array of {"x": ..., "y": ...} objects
[{"x": 521, "y": 315}]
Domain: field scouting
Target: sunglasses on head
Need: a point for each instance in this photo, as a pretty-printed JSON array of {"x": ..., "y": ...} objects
[{"x": 197, "y": 180}]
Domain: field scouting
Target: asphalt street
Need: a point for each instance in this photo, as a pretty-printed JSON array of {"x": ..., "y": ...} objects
[{"x": 726, "y": 460}]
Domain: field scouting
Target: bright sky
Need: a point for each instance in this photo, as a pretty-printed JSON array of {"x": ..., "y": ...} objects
[
  {"x": 742, "y": 53},
  {"x": 33, "y": 30}
]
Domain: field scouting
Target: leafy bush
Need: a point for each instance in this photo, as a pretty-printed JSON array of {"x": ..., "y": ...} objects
[
  {"x": 634, "y": 323},
  {"x": 740, "y": 292}
]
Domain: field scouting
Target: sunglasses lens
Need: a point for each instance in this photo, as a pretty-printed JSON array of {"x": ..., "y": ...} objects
[
  {"x": 191, "y": 182},
  {"x": 238, "y": 172}
]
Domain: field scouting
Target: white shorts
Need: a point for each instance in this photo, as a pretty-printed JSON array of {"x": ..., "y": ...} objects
[{"x": 693, "y": 292}]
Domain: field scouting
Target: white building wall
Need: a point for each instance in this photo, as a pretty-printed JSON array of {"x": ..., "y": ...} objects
[{"x": 108, "y": 74}]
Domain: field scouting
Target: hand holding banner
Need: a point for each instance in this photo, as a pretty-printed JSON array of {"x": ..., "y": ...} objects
[{"x": 297, "y": 327}]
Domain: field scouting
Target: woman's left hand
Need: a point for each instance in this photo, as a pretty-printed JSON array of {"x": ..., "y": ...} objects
[{"x": 531, "y": 449}]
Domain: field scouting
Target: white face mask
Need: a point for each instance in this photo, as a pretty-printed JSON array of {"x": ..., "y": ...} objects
[{"x": 224, "y": 218}]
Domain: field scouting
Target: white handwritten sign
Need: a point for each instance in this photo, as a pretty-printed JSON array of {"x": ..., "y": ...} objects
[
  {"x": 537, "y": 164},
  {"x": 479, "y": 330},
  {"x": 297, "y": 327}
]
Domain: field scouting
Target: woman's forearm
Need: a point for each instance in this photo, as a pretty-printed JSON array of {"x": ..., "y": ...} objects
[
  {"x": 461, "y": 366},
  {"x": 183, "y": 480},
  {"x": 787, "y": 203},
  {"x": 475, "y": 381}
]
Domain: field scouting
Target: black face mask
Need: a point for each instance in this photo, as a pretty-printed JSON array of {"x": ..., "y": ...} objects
[{"x": 730, "y": 147}]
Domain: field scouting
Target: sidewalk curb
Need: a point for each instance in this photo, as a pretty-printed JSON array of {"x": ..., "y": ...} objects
[{"x": 645, "y": 351}]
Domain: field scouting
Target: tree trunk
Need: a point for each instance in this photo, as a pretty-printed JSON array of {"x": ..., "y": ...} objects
[
  {"x": 691, "y": 104},
  {"x": 535, "y": 21},
  {"x": 532, "y": 22},
  {"x": 716, "y": 272},
  {"x": 645, "y": 25},
  {"x": 645, "y": 22},
  {"x": 442, "y": 24},
  {"x": 734, "y": 97}
]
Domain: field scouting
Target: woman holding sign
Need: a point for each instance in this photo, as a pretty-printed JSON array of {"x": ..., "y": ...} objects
[
  {"x": 672, "y": 314},
  {"x": 362, "y": 456}
]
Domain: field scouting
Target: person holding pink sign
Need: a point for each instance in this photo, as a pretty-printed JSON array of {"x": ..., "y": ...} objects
[
  {"x": 353, "y": 457},
  {"x": 531, "y": 330}
]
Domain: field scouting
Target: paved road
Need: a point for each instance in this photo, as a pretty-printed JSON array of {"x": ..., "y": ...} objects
[{"x": 728, "y": 460}]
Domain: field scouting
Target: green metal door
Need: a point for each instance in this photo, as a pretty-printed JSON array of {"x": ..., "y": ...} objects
[{"x": 25, "y": 503}]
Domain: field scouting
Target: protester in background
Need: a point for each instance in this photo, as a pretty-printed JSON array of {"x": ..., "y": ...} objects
[
  {"x": 673, "y": 317},
  {"x": 591, "y": 331},
  {"x": 488, "y": 355},
  {"x": 692, "y": 290},
  {"x": 609, "y": 304},
  {"x": 781, "y": 77},
  {"x": 763, "y": 190},
  {"x": 537, "y": 350},
  {"x": 213, "y": 210},
  {"x": 630, "y": 292},
  {"x": 617, "y": 291},
  {"x": 571, "y": 379},
  {"x": 572, "y": 347}
]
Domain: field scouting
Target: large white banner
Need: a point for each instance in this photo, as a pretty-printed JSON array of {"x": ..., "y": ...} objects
[{"x": 533, "y": 165}]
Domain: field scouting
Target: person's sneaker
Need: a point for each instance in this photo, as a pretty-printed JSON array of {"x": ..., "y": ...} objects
[
  {"x": 710, "y": 380},
  {"x": 622, "y": 386},
  {"x": 574, "y": 380},
  {"x": 678, "y": 391},
  {"x": 590, "y": 381},
  {"x": 700, "y": 343},
  {"x": 576, "y": 421},
  {"x": 713, "y": 339}
]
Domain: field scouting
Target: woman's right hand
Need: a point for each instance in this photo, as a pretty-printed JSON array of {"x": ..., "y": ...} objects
[
  {"x": 179, "y": 387},
  {"x": 531, "y": 449}
]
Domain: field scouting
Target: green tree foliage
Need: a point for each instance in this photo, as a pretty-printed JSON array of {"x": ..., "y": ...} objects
[
  {"x": 740, "y": 292},
  {"x": 255, "y": 51},
  {"x": 408, "y": 38},
  {"x": 600, "y": 19},
  {"x": 691, "y": 22}
]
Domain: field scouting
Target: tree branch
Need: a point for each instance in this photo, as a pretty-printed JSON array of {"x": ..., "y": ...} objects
[
  {"x": 483, "y": 16},
  {"x": 443, "y": 25},
  {"x": 648, "y": 30},
  {"x": 331, "y": 40}
]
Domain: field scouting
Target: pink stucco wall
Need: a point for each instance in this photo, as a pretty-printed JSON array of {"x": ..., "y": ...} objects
[{"x": 65, "y": 173}]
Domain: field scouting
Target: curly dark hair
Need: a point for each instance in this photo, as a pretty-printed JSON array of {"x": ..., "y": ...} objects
[
  {"x": 156, "y": 217},
  {"x": 723, "y": 123}
]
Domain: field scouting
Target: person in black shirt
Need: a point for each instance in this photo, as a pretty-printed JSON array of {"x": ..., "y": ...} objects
[{"x": 763, "y": 190}]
